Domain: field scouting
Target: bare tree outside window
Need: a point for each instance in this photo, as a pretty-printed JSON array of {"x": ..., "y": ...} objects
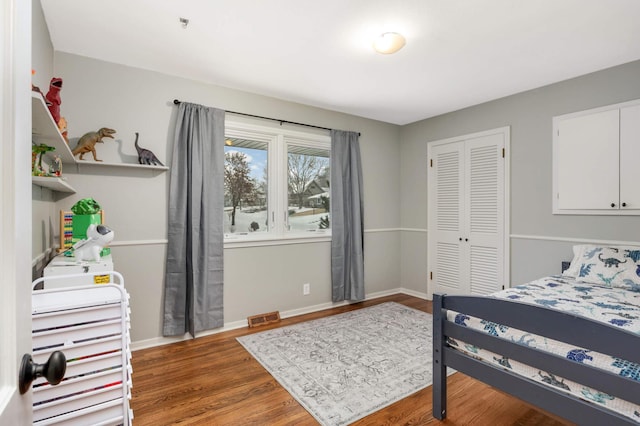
[
  {"x": 276, "y": 183},
  {"x": 308, "y": 188},
  {"x": 238, "y": 184},
  {"x": 303, "y": 169}
]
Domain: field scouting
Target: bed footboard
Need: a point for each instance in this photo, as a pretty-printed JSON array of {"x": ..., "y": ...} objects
[
  {"x": 439, "y": 367},
  {"x": 556, "y": 325}
]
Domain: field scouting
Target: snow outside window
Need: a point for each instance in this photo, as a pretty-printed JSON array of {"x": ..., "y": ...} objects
[{"x": 276, "y": 184}]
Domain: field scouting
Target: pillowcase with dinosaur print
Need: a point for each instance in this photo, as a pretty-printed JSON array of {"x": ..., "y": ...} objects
[{"x": 615, "y": 266}]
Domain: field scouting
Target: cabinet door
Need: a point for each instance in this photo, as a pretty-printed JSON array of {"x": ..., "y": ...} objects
[
  {"x": 586, "y": 157},
  {"x": 629, "y": 157}
]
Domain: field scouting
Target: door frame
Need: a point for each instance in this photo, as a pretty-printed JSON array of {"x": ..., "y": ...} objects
[
  {"x": 506, "y": 133},
  {"x": 15, "y": 212}
]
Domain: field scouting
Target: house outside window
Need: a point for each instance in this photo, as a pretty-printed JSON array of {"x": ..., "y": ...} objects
[{"x": 276, "y": 184}]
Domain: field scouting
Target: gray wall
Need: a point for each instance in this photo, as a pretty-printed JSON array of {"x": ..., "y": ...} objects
[
  {"x": 539, "y": 240},
  {"x": 43, "y": 200},
  {"x": 262, "y": 279},
  {"x": 257, "y": 279}
]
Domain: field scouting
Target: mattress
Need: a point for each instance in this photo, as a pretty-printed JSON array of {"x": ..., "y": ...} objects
[{"x": 613, "y": 306}]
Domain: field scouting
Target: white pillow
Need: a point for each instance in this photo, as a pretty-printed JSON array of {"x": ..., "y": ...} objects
[{"x": 610, "y": 266}]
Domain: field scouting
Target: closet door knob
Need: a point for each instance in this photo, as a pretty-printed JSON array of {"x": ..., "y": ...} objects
[
  {"x": 53, "y": 370},
  {"x": 466, "y": 239},
  {"x": 624, "y": 204},
  {"x": 613, "y": 204},
  {"x": 460, "y": 238}
]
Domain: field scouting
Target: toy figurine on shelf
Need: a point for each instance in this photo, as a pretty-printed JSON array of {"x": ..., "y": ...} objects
[
  {"x": 56, "y": 166},
  {"x": 88, "y": 141},
  {"x": 36, "y": 89},
  {"x": 36, "y": 160},
  {"x": 62, "y": 126},
  {"x": 53, "y": 96}
]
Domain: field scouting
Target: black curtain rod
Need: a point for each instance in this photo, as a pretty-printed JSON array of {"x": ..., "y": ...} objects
[{"x": 177, "y": 102}]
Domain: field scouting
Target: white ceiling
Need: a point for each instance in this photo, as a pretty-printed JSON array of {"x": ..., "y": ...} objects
[{"x": 318, "y": 52}]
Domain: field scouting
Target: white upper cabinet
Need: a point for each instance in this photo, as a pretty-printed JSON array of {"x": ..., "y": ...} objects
[
  {"x": 630, "y": 158},
  {"x": 594, "y": 153}
]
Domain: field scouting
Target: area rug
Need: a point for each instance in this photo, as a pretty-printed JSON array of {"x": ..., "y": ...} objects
[{"x": 343, "y": 367}]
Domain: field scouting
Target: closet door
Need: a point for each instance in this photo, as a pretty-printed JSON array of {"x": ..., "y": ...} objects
[
  {"x": 446, "y": 227},
  {"x": 484, "y": 193},
  {"x": 467, "y": 214}
]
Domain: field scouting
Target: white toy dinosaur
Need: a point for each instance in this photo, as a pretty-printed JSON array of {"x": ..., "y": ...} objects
[{"x": 97, "y": 237}]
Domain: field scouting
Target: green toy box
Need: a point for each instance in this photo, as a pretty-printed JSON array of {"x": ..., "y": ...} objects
[{"x": 80, "y": 223}]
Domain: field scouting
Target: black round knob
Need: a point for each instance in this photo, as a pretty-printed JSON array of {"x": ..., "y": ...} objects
[
  {"x": 53, "y": 370},
  {"x": 613, "y": 204},
  {"x": 466, "y": 239},
  {"x": 460, "y": 238},
  {"x": 624, "y": 204}
]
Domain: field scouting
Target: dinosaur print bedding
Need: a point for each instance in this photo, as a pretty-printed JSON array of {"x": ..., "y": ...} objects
[{"x": 615, "y": 306}]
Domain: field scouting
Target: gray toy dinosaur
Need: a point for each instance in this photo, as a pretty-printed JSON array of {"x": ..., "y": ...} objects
[
  {"x": 145, "y": 156},
  {"x": 87, "y": 143}
]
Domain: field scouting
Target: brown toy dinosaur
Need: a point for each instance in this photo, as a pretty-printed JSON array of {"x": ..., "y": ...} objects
[{"x": 87, "y": 143}]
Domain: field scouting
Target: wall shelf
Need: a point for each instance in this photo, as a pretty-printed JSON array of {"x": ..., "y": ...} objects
[
  {"x": 44, "y": 130},
  {"x": 53, "y": 183},
  {"x": 91, "y": 163}
]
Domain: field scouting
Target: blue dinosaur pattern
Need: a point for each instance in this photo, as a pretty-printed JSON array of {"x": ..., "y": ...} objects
[
  {"x": 627, "y": 369},
  {"x": 492, "y": 328},
  {"x": 579, "y": 355},
  {"x": 585, "y": 268},
  {"x": 616, "y": 307},
  {"x": 546, "y": 302},
  {"x": 460, "y": 319},
  {"x": 619, "y": 322},
  {"x": 633, "y": 255},
  {"x": 595, "y": 396},
  {"x": 590, "y": 254},
  {"x": 504, "y": 361}
]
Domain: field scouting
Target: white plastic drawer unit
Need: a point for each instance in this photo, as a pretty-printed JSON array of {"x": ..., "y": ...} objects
[{"x": 90, "y": 325}]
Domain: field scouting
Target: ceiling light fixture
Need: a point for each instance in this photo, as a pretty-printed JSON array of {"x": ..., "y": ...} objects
[
  {"x": 184, "y": 22},
  {"x": 389, "y": 43}
]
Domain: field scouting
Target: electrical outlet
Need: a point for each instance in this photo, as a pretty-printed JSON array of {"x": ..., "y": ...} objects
[{"x": 306, "y": 289}]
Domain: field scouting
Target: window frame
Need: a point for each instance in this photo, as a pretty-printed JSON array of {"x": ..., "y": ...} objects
[{"x": 277, "y": 140}]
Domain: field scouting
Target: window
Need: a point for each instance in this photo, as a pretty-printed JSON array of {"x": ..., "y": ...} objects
[{"x": 276, "y": 183}]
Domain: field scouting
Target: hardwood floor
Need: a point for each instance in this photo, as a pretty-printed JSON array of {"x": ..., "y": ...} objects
[{"x": 212, "y": 380}]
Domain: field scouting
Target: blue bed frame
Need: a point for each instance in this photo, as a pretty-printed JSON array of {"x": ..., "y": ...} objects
[{"x": 576, "y": 330}]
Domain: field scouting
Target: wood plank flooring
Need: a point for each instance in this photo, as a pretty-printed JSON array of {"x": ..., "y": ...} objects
[{"x": 212, "y": 380}]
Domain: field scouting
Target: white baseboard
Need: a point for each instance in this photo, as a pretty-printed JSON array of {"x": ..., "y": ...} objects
[{"x": 160, "y": 341}]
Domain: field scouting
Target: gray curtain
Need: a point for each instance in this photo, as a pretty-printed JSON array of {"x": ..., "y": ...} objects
[
  {"x": 347, "y": 223},
  {"x": 194, "y": 272}
]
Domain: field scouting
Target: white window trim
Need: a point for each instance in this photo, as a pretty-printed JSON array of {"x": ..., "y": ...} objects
[{"x": 277, "y": 139}]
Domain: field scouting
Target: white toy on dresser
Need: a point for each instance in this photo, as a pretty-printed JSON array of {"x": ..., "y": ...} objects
[{"x": 98, "y": 236}]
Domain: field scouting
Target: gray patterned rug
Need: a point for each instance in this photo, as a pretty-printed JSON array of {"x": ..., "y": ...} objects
[{"x": 346, "y": 366}]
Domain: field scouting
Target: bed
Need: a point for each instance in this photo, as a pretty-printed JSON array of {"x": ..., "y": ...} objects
[{"x": 569, "y": 344}]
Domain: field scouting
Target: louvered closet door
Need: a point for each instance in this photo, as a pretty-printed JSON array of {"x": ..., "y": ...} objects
[
  {"x": 447, "y": 221},
  {"x": 484, "y": 213},
  {"x": 466, "y": 215}
]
